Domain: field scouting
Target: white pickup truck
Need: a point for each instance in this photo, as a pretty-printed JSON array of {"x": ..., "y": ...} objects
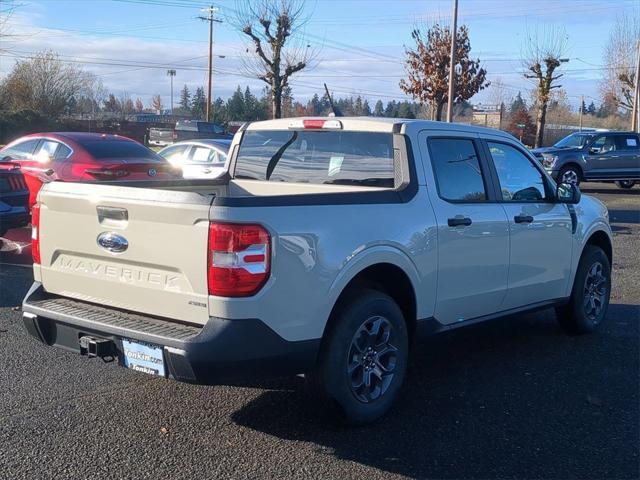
[{"x": 330, "y": 245}]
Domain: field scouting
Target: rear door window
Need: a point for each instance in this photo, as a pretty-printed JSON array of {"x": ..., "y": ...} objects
[
  {"x": 175, "y": 153},
  {"x": 457, "y": 169},
  {"x": 627, "y": 142},
  {"x": 317, "y": 157},
  {"x": 200, "y": 154},
  {"x": 47, "y": 151},
  {"x": 62, "y": 152}
]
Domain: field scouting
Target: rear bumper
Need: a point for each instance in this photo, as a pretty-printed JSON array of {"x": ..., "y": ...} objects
[{"x": 222, "y": 351}]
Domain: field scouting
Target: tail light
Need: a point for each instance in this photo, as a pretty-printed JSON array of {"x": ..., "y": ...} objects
[
  {"x": 35, "y": 233},
  {"x": 238, "y": 259}
]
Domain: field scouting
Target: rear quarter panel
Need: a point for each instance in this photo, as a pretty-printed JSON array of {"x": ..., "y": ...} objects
[{"x": 318, "y": 249}]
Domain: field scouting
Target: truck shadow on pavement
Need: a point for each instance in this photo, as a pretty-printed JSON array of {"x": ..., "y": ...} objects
[
  {"x": 515, "y": 397},
  {"x": 14, "y": 284}
]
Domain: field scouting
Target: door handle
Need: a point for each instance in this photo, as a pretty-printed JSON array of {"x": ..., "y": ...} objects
[
  {"x": 459, "y": 221},
  {"x": 523, "y": 219}
]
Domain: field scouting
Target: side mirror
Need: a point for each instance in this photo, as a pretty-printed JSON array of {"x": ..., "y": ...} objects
[
  {"x": 594, "y": 151},
  {"x": 568, "y": 193},
  {"x": 6, "y": 159}
]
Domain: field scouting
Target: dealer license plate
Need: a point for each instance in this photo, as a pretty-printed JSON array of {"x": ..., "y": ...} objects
[{"x": 143, "y": 357}]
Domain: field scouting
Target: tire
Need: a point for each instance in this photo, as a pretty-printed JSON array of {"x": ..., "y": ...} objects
[
  {"x": 626, "y": 184},
  {"x": 367, "y": 338},
  {"x": 589, "y": 299},
  {"x": 570, "y": 174}
]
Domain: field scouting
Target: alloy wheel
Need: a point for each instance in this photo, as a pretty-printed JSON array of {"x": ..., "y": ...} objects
[
  {"x": 570, "y": 176},
  {"x": 372, "y": 359},
  {"x": 595, "y": 291}
]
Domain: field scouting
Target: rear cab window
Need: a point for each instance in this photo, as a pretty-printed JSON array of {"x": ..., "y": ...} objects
[
  {"x": 458, "y": 173},
  {"x": 355, "y": 158}
]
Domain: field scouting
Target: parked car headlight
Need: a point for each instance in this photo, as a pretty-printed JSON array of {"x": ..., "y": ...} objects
[{"x": 549, "y": 160}]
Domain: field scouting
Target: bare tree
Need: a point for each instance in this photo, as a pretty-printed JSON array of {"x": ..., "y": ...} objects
[
  {"x": 542, "y": 55},
  {"x": 620, "y": 57},
  {"x": 427, "y": 68},
  {"x": 46, "y": 84},
  {"x": 156, "y": 104},
  {"x": 270, "y": 26}
]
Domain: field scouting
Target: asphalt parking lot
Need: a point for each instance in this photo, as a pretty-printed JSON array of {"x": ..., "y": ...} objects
[{"x": 512, "y": 398}]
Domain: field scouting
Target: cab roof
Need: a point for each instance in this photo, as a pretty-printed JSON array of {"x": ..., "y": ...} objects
[{"x": 379, "y": 124}]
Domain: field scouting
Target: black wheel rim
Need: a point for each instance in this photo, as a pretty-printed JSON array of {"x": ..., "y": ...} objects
[
  {"x": 595, "y": 292},
  {"x": 372, "y": 359}
]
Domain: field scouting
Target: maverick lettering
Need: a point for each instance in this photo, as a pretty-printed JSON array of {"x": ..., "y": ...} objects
[{"x": 123, "y": 274}]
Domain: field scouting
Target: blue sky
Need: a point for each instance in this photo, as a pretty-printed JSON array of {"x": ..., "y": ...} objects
[{"x": 360, "y": 43}]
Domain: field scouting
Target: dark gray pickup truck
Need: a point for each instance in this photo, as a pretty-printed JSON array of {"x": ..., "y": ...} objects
[
  {"x": 187, "y": 130},
  {"x": 594, "y": 156}
]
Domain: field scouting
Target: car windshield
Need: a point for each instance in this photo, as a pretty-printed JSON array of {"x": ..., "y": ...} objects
[
  {"x": 575, "y": 140},
  {"x": 103, "y": 149}
]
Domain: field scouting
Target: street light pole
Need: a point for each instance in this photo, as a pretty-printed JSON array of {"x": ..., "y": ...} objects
[
  {"x": 452, "y": 63},
  {"x": 171, "y": 73}
]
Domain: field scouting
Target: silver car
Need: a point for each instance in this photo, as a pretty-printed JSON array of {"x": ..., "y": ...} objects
[{"x": 198, "y": 158}]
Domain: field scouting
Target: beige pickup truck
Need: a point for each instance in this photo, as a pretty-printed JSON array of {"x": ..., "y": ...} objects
[{"x": 329, "y": 245}]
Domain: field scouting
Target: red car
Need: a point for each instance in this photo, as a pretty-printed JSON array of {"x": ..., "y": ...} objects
[{"x": 70, "y": 157}]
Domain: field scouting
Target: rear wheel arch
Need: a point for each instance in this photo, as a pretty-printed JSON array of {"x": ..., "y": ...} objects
[{"x": 387, "y": 278}]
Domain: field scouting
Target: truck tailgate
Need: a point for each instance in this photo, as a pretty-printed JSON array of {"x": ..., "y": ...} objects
[{"x": 161, "y": 270}]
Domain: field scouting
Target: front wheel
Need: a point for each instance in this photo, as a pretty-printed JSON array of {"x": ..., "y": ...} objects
[
  {"x": 570, "y": 174},
  {"x": 589, "y": 300},
  {"x": 363, "y": 361},
  {"x": 626, "y": 184}
]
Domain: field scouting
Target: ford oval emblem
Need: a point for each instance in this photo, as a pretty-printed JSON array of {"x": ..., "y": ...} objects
[
  {"x": 152, "y": 172},
  {"x": 113, "y": 242}
]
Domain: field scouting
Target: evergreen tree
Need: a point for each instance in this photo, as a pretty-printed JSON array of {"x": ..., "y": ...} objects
[
  {"x": 391, "y": 110},
  {"x": 404, "y": 110},
  {"x": 357, "y": 106},
  {"x": 250, "y": 106},
  {"x": 235, "y": 106},
  {"x": 219, "y": 111},
  {"x": 199, "y": 104},
  {"x": 517, "y": 104},
  {"x": 366, "y": 109},
  {"x": 378, "y": 110},
  {"x": 591, "y": 109},
  {"x": 583, "y": 108},
  {"x": 185, "y": 99}
]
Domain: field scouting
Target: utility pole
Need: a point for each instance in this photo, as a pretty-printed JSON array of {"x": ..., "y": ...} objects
[
  {"x": 209, "y": 18},
  {"x": 581, "y": 110},
  {"x": 636, "y": 95},
  {"x": 452, "y": 63},
  {"x": 171, "y": 73},
  {"x": 333, "y": 109}
]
